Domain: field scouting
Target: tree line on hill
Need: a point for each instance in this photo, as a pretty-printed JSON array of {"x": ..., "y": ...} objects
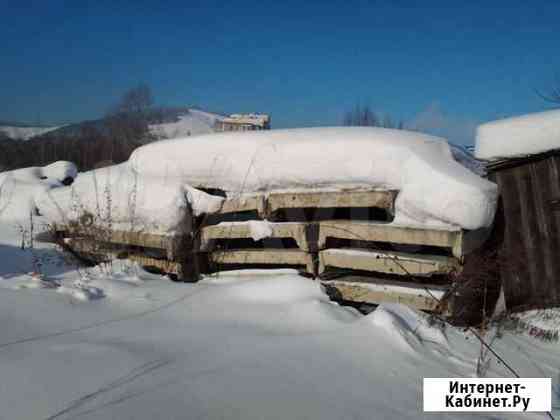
[
  {"x": 362, "y": 115},
  {"x": 89, "y": 144}
]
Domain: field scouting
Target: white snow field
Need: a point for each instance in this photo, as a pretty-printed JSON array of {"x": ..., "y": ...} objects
[
  {"x": 115, "y": 342},
  {"x": 151, "y": 187},
  {"x": 195, "y": 123},
  {"x": 518, "y": 136}
]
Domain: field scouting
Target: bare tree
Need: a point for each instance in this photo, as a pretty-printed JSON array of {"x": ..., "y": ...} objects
[
  {"x": 363, "y": 116},
  {"x": 137, "y": 100},
  {"x": 129, "y": 119},
  {"x": 554, "y": 95}
]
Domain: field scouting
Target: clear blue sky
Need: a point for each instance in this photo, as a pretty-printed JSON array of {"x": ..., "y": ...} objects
[{"x": 304, "y": 62}]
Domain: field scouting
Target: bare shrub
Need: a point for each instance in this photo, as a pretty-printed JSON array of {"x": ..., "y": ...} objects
[{"x": 363, "y": 116}]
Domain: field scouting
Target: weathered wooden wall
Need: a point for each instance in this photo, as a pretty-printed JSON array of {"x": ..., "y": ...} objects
[{"x": 530, "y": 253}]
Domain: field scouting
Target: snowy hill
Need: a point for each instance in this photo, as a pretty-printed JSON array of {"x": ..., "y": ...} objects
[
  {"x": 24, "y": 132},
  {"x": 164, "y": 123},
  {"x": 190, "y": 122}
]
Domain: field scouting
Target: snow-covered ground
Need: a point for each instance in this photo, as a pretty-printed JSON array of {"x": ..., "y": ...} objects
[
  {"x": 242, "y": 345},
  {"x": 115, "y": 342},
  {"x": 25, "y": 132}
]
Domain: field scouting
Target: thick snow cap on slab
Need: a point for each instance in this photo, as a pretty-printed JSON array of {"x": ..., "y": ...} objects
[
  {"x": 20, "y": 188},
  {"x": 518, "y": 136},
  {"x": 118, "y": 196},
  {"x": 434, "y": 188}
]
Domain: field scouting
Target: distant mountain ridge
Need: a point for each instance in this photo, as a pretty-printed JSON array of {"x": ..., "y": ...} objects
[
  {"x": 24, "y": 124},
  {"x": 106, "y": 140},
  {"x": 22, "y": 131},
  {"x": 164, "y": 122}
]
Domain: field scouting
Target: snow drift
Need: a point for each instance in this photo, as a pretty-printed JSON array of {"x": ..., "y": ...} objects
[
  {"x": 434, "y": 188},
  {"x": 20, "y": 188},
  {"x": 117, "y": 195},
  {"x": 519, "y": 136}
]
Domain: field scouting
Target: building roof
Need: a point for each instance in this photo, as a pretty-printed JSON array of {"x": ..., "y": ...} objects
[{"x": 254, "y": 119}]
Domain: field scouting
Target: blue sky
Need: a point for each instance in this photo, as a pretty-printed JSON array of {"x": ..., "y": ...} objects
[{"x": 304, "y": 62}]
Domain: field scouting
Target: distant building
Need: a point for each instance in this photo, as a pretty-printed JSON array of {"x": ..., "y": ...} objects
[{"x": 244, "y": 122}]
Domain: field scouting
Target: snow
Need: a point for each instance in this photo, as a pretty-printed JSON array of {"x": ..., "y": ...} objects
[
  {"x": 350, "y": 157},
  {"x": 465, "y": 158},
  {"x": 544, "y": 319},
  {"x": 518, "y": 136},
  {"x": 20, "y": 188},
  {"x": 194, "y": 123},
  {"x": 114, "y": 341},
  {"x": 152, "y": 191},
  {"x": 25, "y": 133},
  {"x": 116, "y": 195},
  {"x": 407, "y": 328},
  {"x": 260, "y": 229}
]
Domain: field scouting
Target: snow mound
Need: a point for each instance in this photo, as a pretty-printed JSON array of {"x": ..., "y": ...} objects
[
  {"x": 406, "y": 327},
  {"x": 272, "y": 287},
  {"x": 19, "y": 189},
  {"x": 518, "y": 136},
  {"x": 117, "y": 196},
  {"x": 255, "y": 292},
  {"x": 433, "y": 187},
  {"x": 82, "y": 292}
]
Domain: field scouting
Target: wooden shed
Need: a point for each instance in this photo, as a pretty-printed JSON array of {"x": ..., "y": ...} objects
[{"x": 529, "y": 218}]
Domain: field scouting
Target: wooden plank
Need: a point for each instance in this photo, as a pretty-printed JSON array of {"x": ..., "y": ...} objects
[
  {"x": 265, "y": 204},
  {"x": 264, "y": 257},
  {"x": 244, "y": 203},
  {"x": 148, "y": 240},
  {"x": 470, "y": 241},
  {"x": 169, "y": 243},
  {"x": 329, "y": 199},
  {"x": 239, "y": 230},
  {"x": 164, "y": 265},
  {"x": 99, "y": 252},
  {"x": 139, "y": 239},
  {"x": 553, "y": 181},
  {"x": 387, "y": 262},
  {"x": 543, "y": 287},
  {"x": 377, "y": 292},
  {"x": 530, "y": 270},
  {"x": 380, "y": 232},
  {"x": 513, "y": 252},
  {"x": 528, "y": 226}
]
